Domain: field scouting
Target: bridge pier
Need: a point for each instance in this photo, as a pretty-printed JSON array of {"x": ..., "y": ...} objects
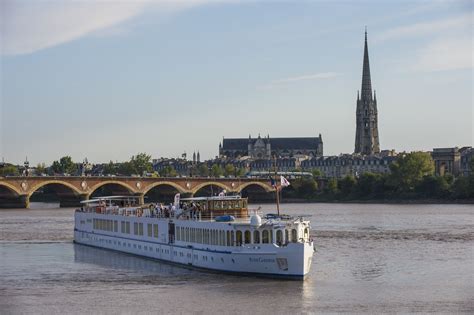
[
  {"x": 141, "y": 198},
  {"x": 22, "y": 201}
]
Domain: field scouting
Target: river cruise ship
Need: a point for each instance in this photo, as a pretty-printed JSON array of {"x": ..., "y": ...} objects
[{"x": 217, "y": 233}]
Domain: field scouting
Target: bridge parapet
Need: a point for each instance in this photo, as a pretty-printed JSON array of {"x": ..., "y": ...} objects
[{"x": 85, "y": 186}]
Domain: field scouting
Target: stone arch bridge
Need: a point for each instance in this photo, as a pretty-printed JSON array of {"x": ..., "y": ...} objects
[{"x": 17, "y": 191}]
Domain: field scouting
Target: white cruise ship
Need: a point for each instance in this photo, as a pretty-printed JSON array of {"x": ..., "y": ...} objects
[{"x": 215, "y": 233}]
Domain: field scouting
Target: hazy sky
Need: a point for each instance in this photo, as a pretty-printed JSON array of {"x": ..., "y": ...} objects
[{"x": 107, "y": 79}]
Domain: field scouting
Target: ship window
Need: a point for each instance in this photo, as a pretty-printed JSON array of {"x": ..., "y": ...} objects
[
  {"x": 265, "y": 237},
  {"x": 279, "y": 237},
  {"x": 306, "y": 233},
  {"x": 122, "y": 226},
  {"x": 232, "y": 240},
  {"x": 155, "y": 230},
  {"x": 135, "y": 228},
  {"x": 140, "y": 228},
  {"x": 294, "y": 236},
  {"x": 256, "y": 237},
  {"x": 239, "y": 238},
  {"x": 127, "y": 225},
  {"x": 287, "y": 238},
  {"x": 149, "y": 230},
  {"x": 247, "y": 237},
  {"x": 228, "y": 239},
  {"x": 115, "y": 226}
]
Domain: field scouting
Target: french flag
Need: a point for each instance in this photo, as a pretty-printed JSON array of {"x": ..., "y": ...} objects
[
  {"x": 284, "y": 182},
  {"x": 273, "y": 182}
]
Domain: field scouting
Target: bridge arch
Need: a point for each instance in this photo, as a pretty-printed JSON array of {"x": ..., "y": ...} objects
[
  {"x": 267, "y": 187},
  {"x": 33, "y": 189},
  {"x": 200, "y": 186},
  {"x": 94, "y": 188},
  {"x": 10, "y": 188},
  {"x": 167, "y": 183}
]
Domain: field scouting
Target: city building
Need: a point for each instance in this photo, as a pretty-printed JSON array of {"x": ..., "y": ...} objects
[
  {"x": 267, "y": 148},
  {"x": 349, "y": 164},
  {"x": 447, "y": 161},
  {"x": 367, "y": 132},
  {"x": 181, "y": 166},
  {"x": 467, "y": 155}
]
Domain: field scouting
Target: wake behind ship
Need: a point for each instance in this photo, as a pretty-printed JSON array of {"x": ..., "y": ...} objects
[{"x": 215, "y": 233}]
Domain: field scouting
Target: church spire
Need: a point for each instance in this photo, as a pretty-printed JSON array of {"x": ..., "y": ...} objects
[
  {"x": 366, "y": 92},
  {"x": 367, "y": 133}
]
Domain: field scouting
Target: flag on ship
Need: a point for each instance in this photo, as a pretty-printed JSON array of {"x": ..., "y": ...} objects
[
  {"x": 177, "y": 198},
  {"x": 273, "y": 182},
  {"x": 284, "y": 182}
]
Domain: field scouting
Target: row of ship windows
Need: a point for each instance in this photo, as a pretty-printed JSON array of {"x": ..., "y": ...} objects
[
  {"x": 231, "y": 238},
  {"x": 150, "y": 249},
  {"x": 112, "y": 226}
]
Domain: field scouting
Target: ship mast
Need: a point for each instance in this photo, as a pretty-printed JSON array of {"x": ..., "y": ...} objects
[{"x": 276, "y": 186}]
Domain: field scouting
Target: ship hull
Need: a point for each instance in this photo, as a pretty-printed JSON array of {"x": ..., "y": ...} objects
[{"x": 291, "y": 261}]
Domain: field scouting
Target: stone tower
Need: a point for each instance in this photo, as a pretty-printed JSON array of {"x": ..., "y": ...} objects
[{"x": 367, "y": 131}]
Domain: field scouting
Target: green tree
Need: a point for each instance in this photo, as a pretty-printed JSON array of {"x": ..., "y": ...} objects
[
  {"x": 65, "y": 165},
  {"x": 229, "y": 170},
  {"x": 169, "y": 171},
  {"x": 125, "y": 169},
  {"x": 433, "y": 187},
  {"x": 40, "y": 168},
  {"x": 9, "y": 170},
  {"x": 408, "y": 170},
  {"x": 216, "y": 170},
  {"x": 110, "y": 168},
  {"x": 203, "y": 170},
  {"x": 367, "y": 184},
  {"x": 305, "y": 187},
  {"x": 463, "y": 187},
  {"x": 241, "y": 171},
  {"x": 331, "y": 187},
  {"x": 317, "y": 173},
  {"x": 141, "y": 164},
  {"x": 347, "y": 185}
]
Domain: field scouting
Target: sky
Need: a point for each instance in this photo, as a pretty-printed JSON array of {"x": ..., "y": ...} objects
[{"x": 109, "y": 79}]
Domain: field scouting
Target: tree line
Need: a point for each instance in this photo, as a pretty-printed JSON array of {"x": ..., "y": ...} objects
[
  {"x": 411, "y": 177},
  {"x": 140, "y": 165}
]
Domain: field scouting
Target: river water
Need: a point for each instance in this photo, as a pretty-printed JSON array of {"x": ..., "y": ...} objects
[{"x": 370, "y": 259}]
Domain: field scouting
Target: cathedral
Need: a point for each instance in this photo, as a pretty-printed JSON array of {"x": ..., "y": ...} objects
[
  {"x": 366, "y": 140},
  {"x": 267, "y": 148},
  {"x": 367, "y": 132}
]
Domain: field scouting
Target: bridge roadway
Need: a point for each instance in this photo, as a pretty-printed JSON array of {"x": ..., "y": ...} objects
[{"x": 16, "y": 191}]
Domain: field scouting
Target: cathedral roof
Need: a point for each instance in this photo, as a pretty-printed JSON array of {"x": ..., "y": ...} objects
[{"x": 299, "y": 143}]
